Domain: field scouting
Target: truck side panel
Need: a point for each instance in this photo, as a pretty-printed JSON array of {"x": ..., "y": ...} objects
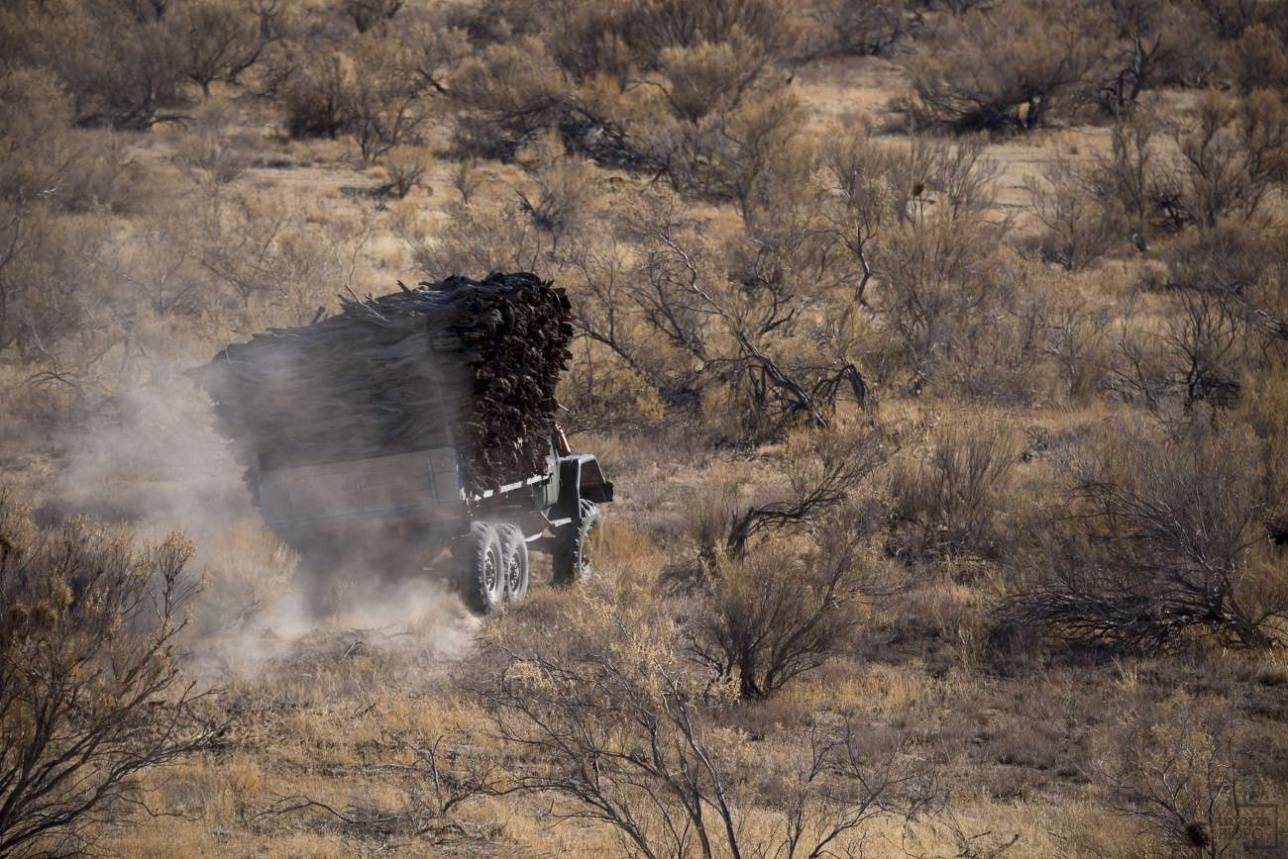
[{"x": 423, "y": 484}]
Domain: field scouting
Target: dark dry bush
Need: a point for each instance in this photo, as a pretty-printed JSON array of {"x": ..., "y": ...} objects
[
  {"x": 90, "y": 695},
  {"x": 947, "y": 502},
  {"x": 1015, "y": 65},
  {"x": 1160, "y": 541}
]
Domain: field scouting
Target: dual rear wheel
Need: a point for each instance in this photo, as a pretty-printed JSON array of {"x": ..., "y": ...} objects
[
  {"x": 493, "y": 560},
  {"x": 494, "y": 567}
]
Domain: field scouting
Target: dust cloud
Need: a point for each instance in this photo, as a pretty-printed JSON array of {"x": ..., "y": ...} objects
[{"x": 156, "y": 464}]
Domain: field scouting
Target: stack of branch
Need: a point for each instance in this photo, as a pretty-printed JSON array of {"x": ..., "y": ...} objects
[{"x": 464, "y": 363}]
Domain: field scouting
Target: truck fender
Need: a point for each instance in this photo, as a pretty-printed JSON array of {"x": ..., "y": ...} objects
[{"x": 580, "y": 477}]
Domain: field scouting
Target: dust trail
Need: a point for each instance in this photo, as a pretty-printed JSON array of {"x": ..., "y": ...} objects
[{"x": 158, "y": 465}]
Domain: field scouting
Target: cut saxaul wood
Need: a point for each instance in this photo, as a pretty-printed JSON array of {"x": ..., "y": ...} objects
[{"x": 459, "y": 362}]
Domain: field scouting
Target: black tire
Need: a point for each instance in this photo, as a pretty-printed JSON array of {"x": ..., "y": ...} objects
[
  {"x": 514, "y": 562},
  {"x": 482, "y": 583},
  {"x": 572, "y": 561}
]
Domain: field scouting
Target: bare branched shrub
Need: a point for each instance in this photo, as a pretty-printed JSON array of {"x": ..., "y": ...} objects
[
  {"x": 387, "y": 106},
  {"x": 222, "y": 39},
  {"x": 1077, "y": 339},
  {"x": 703, "y": 317},
  {"x": 1261, "y": 60},
  {"x": 565, "y": 188},
  {"x": 1079, "y": 229},
  {"x": 860, "y": 202},
  {"x": 1231, "y": 154},
  {"x": 857, "y": 27},
  {"x": 50, "y": 279},
  {"x": 317, "y": 99},
  {"x": 948, "y": 501},
  {"x": 439, "y": 775},
  {"x": 1179, "y": 772},
  {"x": 405, "y": 168},
  {"x": 209, "y": 156},
  {"x": 1226, "y": 322},
  {"x": 1205, "y": 346},
  {"x": 775, "y": 613},
  {"x": 131, "y": 80},
  {"x": 467, "y": 179},
  {"x": 1148, "y": 48},
  {"x": 652, "y": 27},
  {"x": 507, "y": 93},
  {"x": 1229, "y": 18},
  {"x": 1013, "y": 66},
  {"x": 823, "y": 470},
  {"x": 1163, "y": 542},
  {"x": 478, "y": 240},
  {"x": 90, "y": 694},
  {"x": 710, "y": 78},
  {"x": 1127, "y": 178},
  {"x": 939, "y": 286},
  {"x": 625, "y": 739},
  {"x": 34, "y": 114}
]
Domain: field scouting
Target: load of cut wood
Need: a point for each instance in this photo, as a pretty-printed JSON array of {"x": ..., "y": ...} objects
[{"x": 462, "y": 363}]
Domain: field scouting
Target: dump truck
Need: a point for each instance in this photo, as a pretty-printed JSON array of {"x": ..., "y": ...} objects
[{"x": 416, "y": 425}]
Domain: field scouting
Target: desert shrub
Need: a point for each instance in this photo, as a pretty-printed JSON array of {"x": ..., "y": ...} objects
[
  {"x": 478, "y": 239},
  {"x": 50, "y": 282},
  {"x": 131, "y": 80},
  {"x": 366, "y": 14},
  {"x": 860, "y": 202},
  {"x": 1127, "y": 178},
  {"x": 386, "y": 103},
  {"x": 1162, "y": 543},
  {"x": 317, "y": 99},
  {"x": 743, "y": 154},
  {"x": 939, "y": 287},
  {"x": 1012, "y": 66},
  {"x": 564, "y": 189},
  {"x": 1148, "y": 48},
  {"x": 1181, "y": 770},
  {"x": 1233, "y": 260},
  {"x": 220, "y": 39},
  {"x": 1078, "y": 228},
  {"x": 90, "y": 693},
  {"x": 1197, "y": 357},
  {"x": 1232, "y": 153},
  {"x": 628, "y": 737},
  {"x": 1263, "y": 411},
  {"x": 1261, "y": 60},
  {"x": 210, "y": 156},
  {"x": 948, "y": 501},
  {"x": 1229, "y": 18},
  {"x": 46, "y": 163},
  {"x": 405, "y": 169},
  {"x": 709, "y": 77},
  {"x": 777, "y": 613},
  {"x": 1225, "y": 320},
  {"x": 255, "y": 250},
  {"x": 856, "y": 27},
  {"x": 508, "y": 93},
  {"x": 34, "y": 114},
  {"x": 1076, "y": 339},
  {"x": 651, "y": 27},
  {"x": 587, "y": 40}
]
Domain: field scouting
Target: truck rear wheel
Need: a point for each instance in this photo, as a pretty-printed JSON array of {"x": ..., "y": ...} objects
[
  {"x": 514, "y": 561},
  {"x": 482, "y": 570},
  {"x": 572, "y": 562}
]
